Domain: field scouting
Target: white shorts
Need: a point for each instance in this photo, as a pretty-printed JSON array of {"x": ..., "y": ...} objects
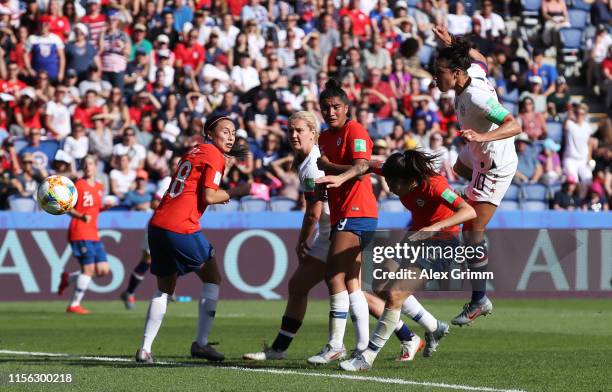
[
  {"x": 487, "y": 185},
  {"x": 579, "y": 169},
  {"x": 320, "y": 246}
]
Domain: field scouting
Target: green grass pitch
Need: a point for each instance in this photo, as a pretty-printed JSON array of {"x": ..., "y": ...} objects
[{"x": 531, "y": 345}]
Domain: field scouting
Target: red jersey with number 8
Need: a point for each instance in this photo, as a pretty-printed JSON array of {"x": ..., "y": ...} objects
[
  {"x": 183, "y": 204},
  {"x": 354, "y": 198}
]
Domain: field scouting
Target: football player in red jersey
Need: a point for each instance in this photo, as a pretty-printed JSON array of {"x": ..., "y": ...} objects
[
  {"x": 83, "y": 236},
  {"x": 346, "y": 145},
  {"x": 437, "y": 211},
  {"x": 176, "y": 241}
]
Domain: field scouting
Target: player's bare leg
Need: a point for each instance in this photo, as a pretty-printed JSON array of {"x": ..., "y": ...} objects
[
  {"x": 474, "y": 235},
  {"x": 155, "y": 315},
  {"x": 342, "y": 277},
  {"x": 207, "y": 308},
  {"x": 81, "y": 283},
  {"x": 136, "y": 278},
  {"x": 308, "y": 274}
]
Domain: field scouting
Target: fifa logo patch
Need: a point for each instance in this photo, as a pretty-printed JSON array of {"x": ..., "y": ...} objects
[
  {"x": 420, "y": 202},
  {"x": 360, "y": 145}
]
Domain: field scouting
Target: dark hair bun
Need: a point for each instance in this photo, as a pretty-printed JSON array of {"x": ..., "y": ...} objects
[
  {"x": 332, "y": 84},
  {"x": 211, "y": 121}
]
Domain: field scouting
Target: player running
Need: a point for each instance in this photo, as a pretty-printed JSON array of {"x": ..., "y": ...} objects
[
  {"x": 83, "y": 237},
  {"x": 176, "y": 241},
  {"x": 489, "y": 159},
  {"x": 303, "y": 135},
  {"x": 437, "y": 211}
]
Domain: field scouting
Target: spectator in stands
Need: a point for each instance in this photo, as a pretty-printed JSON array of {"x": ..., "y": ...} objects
[
  {"x": 606, "y": 79},
  {"x": 76, "y": 145},
  {"x": 117, "y": 111},
  {"x": 167, "y": 29},
  {"x": 189, "y": 53},
  {"x": 94, "y": 82},
  {"x": 57, "y": 115},
  {"x": 529, "y": 170},
  {"x": 140, "y": 41},
  {"x": 271, "y": 151},
  {"x": 260, "y": 118},
  {"x": 442, "y": 162},
  {"x": 595, "y": 202},
  {"x": 95, "y": 22},
  {"x": 601, "y": 13},
  {"x": 536, "y": 94},
  {"x": 63, "y": 165},
  {"x": 492, "y": 24},
  {"x": 32, "y": 174},
  {"x": 136, "y": 73},
  {"x": 282, "y": 168},
  {"x": 139, "y": 199},
  {"x": 377, "y": 56},
  {"x": 399, "y": 79},
  {"x": 547, "y": 73},
  {"x": 87, "y": 109},
  {"x": 244, "y": 75},
  {"x": 81, "y": 54},
  {"x": 45, "y": 52},
  {"x": 420, "y": 132},
  {"x": 558, "y": 101},
  {"x": 532, "y": 122},
  {"x": 129, "y": 147},
  {"x": 115, "y": 48},
  {"x": 551, "y": 163},
  {"x": 360, "y": 21},
  {"x": 122, "y": 178},
  {"x": 158, "y": 157},
  {"x": 9, "y": 160},
  {"x": 263, "y": 184},
  {"x": 578, "y": 145},
  {"x": 554, "y": 13},
  {"x": 12, "y": 85},
  {"x": 379, "y": 96},
  {"x": 101, "y": 137},
  {"x": 567, "y": 197},
  {"x": 597, "y": 52},
  {"x": 458, "y": 22},
  {"x": 27, "y": 114}
]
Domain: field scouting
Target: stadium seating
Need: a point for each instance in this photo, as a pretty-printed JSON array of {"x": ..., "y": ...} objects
[
  {"x": 554, "y": 131},
  {"x": 253, "y": 204},
  {"x": 151, "y": 187},
  {"x": 22, "y": 204},
  {"x": 513, "y": 193},
  {"x": 531, "y": 12},
  {"x": 571, "y": 38},
  {"x": 537, "y": 192},
  {"x": 282, "y": 204},
  {"x": 230, "y": 206},
  {"x": 534, "y": 205},
  {"x": 511, "y": 106},
  {"x": 509, "y": 205},
  {"x": 425, "y": 54},
  {"x": 579, "y": 4},
  {"x": 391, "y": 205},
  {"x": 578, "y": 18},
  {"x": 512, "y": 96}
]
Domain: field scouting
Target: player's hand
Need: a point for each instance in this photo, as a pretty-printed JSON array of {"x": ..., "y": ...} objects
[
  {"x": 441, "y": 32},
  {"x": 323, "y": 163},
  {"x": 330, "y": 181},
  {"x": 301, "y": 250},
  {"x": 472, "y": 136},
  {"x": 424, "y": 233},
  {"x": 86, "y": 218}
]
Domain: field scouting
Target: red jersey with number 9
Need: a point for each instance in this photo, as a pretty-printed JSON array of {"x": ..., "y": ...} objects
[
  {"x": 355, "y": 198},
  {"x": 89, "y": 202},
  {"x": 183, "y": 204}
]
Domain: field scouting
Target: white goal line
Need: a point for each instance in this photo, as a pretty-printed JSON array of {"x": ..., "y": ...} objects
[{"x": 382, "y": 380}]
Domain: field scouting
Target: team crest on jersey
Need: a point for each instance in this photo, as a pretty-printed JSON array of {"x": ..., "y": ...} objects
[
  {"x": 339, "y": 142},
  {"x": 420, "y": 202}
]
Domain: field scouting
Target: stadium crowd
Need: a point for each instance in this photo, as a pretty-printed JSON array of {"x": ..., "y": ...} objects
[{"x": 132, "y": 81}]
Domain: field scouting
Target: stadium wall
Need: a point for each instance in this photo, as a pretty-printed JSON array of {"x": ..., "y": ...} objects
[{"x": 533, "y": 254}]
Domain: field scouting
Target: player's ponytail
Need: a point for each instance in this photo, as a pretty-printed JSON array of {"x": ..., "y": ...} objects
[
  {"x": 333, "y": 88},
  {"x": 412, "y": 165},
  {"x": 457, "y": 55}
]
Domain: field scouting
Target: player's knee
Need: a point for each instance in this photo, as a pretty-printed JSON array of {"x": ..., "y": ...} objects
[
  {"x": 394, "y": 299},
  {"x": 102, "y": 271}
]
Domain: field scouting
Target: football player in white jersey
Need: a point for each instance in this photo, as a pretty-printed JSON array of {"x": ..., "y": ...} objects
[
  {"x": 303, "y": 134},
  {"x": 489, "y": 160}
]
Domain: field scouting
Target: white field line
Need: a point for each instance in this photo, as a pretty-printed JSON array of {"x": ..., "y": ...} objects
[{"x": 383, "y": 380}]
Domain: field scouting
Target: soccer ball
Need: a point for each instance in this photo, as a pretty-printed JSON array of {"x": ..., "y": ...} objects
[{"x": 57, "y": 195}]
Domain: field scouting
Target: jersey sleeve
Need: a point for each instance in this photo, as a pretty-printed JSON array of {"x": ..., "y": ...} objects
[
  {"x": 307, "y": 180},
  {"x": 359, "y": 143},
  {"x": 489, "y": 107},
  {"x": 213, "y": 173},
  {"x": 443, "y": 193}
]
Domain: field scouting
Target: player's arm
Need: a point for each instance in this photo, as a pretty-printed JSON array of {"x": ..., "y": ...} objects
[
  {"x": 347, "y": 172},
  {"x": 77, "y": 215},
  {"x": 309, "y": 223},
  {"x": 447, "y": 39},
  {"x": 508, "y": 127}
]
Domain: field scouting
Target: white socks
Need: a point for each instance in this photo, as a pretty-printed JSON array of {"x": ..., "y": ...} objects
[
  {"x": 360, "y": 316},
  {"x": 155, "y": 316},
  {"x": 206, "y": 310},
  {"x": 413, "y": 309},
  {"x": 339, "y": 308},
  {"x": 384, "y": 328},
  {"x": 82, "y": 281}
]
